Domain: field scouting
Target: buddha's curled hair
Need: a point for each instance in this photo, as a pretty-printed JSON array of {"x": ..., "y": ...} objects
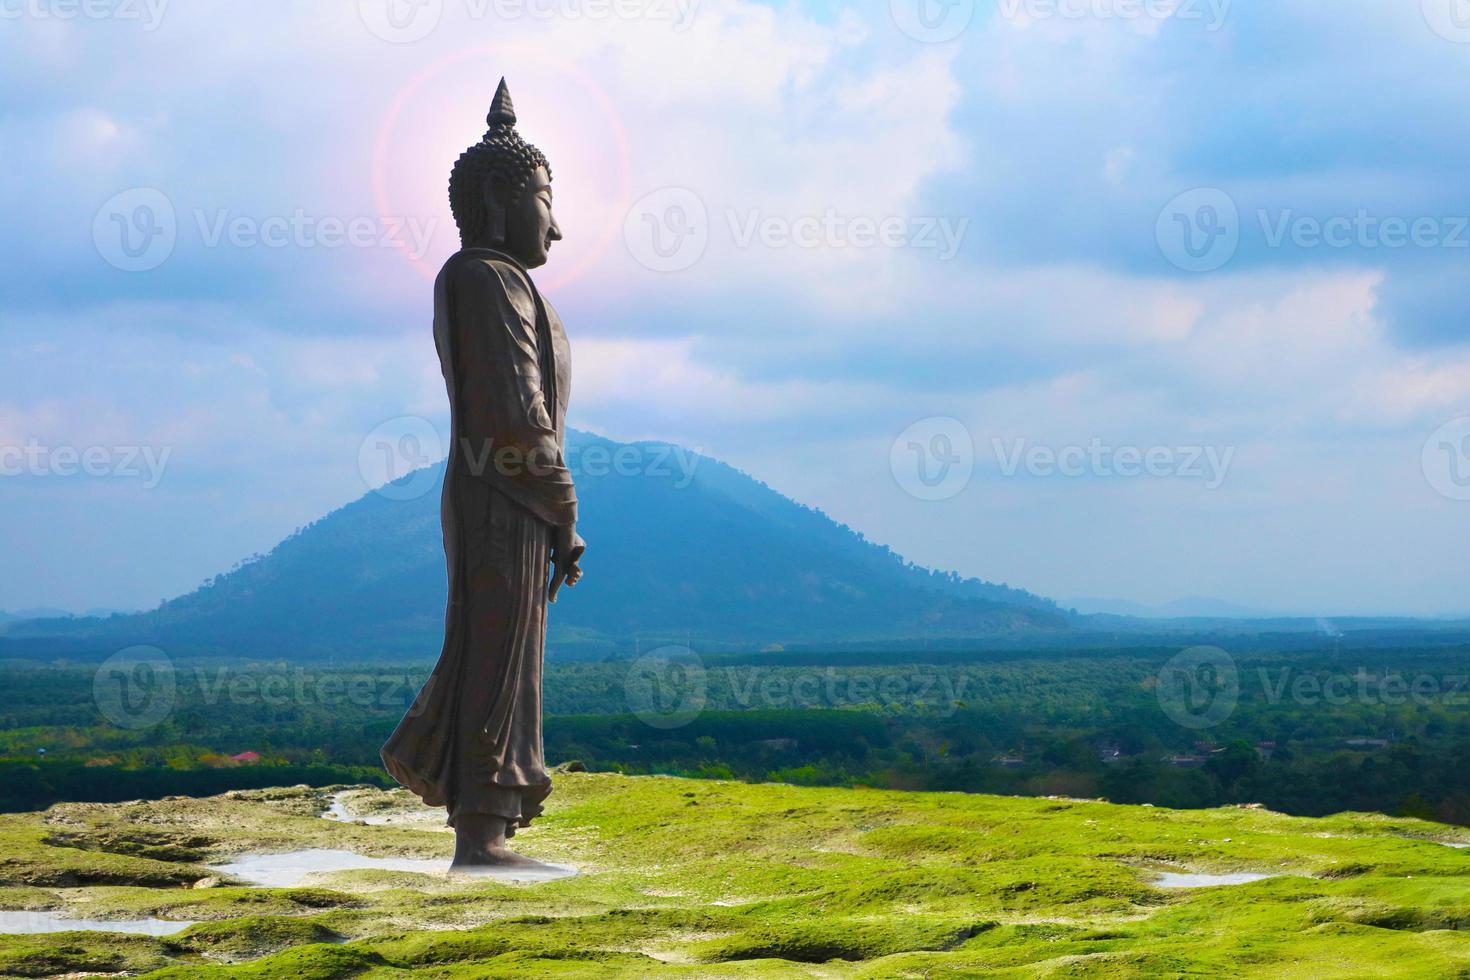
[{"x": 501, "y": 154}]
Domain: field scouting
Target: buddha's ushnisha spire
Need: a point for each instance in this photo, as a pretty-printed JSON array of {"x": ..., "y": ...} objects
[{"x": 502, "y": 109}]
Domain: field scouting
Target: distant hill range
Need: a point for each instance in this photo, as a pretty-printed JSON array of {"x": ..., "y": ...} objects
[
  {"x": 1197, "y": 607},
  {"x": 681, "y": 547},
  {"x": 46, "y": 612}
]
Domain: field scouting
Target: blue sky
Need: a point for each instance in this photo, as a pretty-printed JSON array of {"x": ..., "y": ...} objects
[{"x": 842, "y": 247}]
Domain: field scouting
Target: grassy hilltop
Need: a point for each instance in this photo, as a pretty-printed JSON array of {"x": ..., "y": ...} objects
[{"x": 702, "y": 878}]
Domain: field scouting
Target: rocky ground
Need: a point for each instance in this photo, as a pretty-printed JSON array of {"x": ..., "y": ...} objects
[{"x": 713, "y": 879}]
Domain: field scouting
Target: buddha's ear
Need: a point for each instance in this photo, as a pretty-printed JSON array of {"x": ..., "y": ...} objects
[{"x": 493, "y": 192}]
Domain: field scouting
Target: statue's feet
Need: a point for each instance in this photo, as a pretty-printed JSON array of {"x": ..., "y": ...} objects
[{"x": 479, "y": 847}]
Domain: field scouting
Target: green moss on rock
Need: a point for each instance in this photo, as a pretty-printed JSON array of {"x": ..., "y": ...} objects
[{"x": 755, "y": 881}]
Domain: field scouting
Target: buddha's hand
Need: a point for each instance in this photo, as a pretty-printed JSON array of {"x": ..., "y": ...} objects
[{"x": 567, "y": 547}]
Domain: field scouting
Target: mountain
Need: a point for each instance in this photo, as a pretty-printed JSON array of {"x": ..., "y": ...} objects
[{"x": 680, "y": 546}]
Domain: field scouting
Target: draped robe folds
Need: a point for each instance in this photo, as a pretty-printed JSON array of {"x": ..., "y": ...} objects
[{"x": 471, "y": 742}]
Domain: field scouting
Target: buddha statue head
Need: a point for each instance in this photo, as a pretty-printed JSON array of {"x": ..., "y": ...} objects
[{"x": 500, "y": 190}]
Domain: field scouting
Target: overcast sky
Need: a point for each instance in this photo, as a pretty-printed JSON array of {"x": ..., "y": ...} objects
[{"x": 1123, "y": 298}]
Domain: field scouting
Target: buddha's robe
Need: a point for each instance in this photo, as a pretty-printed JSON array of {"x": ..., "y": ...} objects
[{"x": 472, "y": 740}]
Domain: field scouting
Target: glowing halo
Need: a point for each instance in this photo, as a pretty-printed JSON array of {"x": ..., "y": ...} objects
[{"x": 382, "y": 200}]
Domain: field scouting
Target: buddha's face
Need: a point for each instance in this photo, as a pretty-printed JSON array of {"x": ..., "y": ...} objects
[{"x": 530, "y": 227}]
